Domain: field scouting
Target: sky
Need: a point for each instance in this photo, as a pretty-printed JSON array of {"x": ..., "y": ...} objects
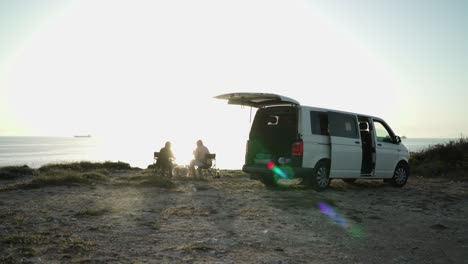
[{"x": 148, "y": 70}]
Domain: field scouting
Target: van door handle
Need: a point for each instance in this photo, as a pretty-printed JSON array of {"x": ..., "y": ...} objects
[{"x": 357, "y": 142}]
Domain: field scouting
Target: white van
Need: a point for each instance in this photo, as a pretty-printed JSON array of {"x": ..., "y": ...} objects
[{"x": 288, "y": 140}]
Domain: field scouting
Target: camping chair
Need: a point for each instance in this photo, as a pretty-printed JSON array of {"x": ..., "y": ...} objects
[
  {"x": 155, "y": 162},
  {"x": 157, "y": 169},
  {"x": 210, "y": 167}
]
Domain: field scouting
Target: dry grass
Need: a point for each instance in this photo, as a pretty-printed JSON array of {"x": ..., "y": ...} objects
[
  {"x": 24, "y": 239},
  {"x": 250, "y": 212},
  {"x": 191, "y": 178},
  {"x": 155, "y": 225},
  {"x": 232, "y": 219},
  {"x": 186, "y": 211},
  {"x": 146, "y": 178},
  {"x": 88, "y": 173},
  {"x": 27, "y": 245},
  {"x": 8, "y": 260},
  {"x": 93, "y": 212},
  {"x": 60, "y": 178},
  {"x": 194, "y": 246},
  {"x": 73, "y": 245}
]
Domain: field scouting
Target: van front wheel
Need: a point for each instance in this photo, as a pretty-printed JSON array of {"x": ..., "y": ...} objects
[
  {"x": 321, "y": 176},
  {"x": 401, "y": 174}
]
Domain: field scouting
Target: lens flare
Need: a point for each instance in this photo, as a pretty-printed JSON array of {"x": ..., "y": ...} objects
[
  {"x": 271, "y": 166},
  {"x": 327, "y": 210}
]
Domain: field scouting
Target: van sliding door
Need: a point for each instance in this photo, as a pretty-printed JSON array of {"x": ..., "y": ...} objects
[{"x": 346, "y": 149}]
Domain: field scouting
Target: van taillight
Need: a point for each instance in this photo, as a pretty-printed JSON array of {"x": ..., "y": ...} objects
[
  {"x": 298, "y": 148},
  {"x": 247, "y": 147}
]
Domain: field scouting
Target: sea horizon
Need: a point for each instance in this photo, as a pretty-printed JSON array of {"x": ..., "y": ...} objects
[{"x": 36, "y": 151}]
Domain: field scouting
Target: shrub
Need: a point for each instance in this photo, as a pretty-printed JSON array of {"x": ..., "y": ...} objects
[
  {"x": 116, "y": 165},
  {"x": 87, "y": 166},
  {"x": 12, "y": 172},
  {"x": 94, "y": 176},
  {"x": 441, "y": 159},
  {"x": 67, "y": 178}
]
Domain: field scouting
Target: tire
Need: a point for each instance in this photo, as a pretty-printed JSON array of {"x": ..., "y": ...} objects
[
  {"x": 321, "y": 178},
  {"x": 350, "y": 181},
  {"x": 401, "y": 174}
]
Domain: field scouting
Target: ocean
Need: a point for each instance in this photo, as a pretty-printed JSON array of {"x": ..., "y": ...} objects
[
  {"x": 37, "y": 151},
  {"x": 418, "y": 144}
]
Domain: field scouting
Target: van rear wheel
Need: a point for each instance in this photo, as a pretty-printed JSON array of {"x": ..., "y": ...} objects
[{"x": 321, "y": 177}]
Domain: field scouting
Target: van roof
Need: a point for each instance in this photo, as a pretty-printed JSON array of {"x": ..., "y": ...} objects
[
  {"x": 261, "y": 100},
  {"x": 338, "y": 111}
]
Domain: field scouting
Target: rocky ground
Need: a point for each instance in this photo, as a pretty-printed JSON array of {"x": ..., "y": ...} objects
[{"x": 234, "y": 220}]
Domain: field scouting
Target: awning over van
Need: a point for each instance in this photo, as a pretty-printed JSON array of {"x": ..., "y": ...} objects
[{"x": 257, "y": 99}]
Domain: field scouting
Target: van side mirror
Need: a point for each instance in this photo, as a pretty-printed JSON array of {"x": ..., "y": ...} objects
[{"x": 397, "y": 140}]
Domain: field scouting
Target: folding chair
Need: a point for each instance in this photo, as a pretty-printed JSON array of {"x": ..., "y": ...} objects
[
  {"x": 157, "y": 169},
  {"x": 210, "y": 167},
  {"x": 155, "y": 162}
]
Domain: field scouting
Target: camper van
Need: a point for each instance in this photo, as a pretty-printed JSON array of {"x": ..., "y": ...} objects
[{"x": 289, "y": 141}]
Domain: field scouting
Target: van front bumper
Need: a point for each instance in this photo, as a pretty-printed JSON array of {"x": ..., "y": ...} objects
[{"x": 290, "y": 172}]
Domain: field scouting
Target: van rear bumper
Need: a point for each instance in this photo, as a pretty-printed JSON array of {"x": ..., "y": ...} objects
[{"x": 295, "y": 172}]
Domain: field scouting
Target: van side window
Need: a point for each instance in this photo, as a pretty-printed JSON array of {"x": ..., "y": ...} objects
[
  {"x": 319, "y": 123},
  {"x": 343, "y": 125},
  {"x": 382, "y": 133}
]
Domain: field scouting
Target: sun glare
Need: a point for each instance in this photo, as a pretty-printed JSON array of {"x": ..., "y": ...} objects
[{"x": 145, "y": 73}]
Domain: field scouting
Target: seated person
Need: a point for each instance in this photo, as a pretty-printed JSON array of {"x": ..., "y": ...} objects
[
  {"x": 165, "y": 158},
  {"x": 200, "y": 161}
]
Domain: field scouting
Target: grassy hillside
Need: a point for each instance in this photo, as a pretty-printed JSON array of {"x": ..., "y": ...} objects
[
  {"x": 446, "y": 160},
  {"x": 13, "y": 172},
  {"x": 82, "y": 173}
]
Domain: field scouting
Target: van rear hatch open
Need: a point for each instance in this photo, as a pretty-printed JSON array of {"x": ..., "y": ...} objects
[
  {"x": 274, "y": 134},
  {"x": 257, "y": 99},
  {"x": 274, "y": 137}
]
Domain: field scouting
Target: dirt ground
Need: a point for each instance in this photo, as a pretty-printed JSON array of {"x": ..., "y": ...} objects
[{"x": 236, "y": 220}]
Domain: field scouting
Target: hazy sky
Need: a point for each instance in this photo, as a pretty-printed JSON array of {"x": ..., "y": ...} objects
[{"x": 149, "y": 69}]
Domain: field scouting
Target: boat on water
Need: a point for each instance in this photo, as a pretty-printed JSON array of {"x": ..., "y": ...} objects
[{"x": 82, "y": 136}]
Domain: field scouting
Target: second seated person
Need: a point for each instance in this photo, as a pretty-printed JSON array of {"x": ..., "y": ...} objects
[{"x": 200, "y": 160}]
